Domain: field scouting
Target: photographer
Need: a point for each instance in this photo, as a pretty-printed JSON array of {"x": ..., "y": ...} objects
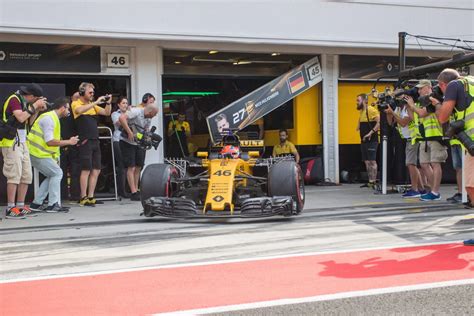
[
  {"x": 408, "y": 131},
  {"x": 44, "y": 141},
  {"x": 178, "y": 132},
  {"x": 458, "y": 100},
  {"x": 86, "y": 113},
  {"x": 432, "y": 151},
  {"x": 368, "y": 126},
  {"x": 19, "y": 111},
  {"x": 135, "y": 123}
]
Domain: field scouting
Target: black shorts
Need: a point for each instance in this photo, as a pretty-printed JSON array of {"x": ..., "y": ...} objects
[
  {"x": 132, "y": 155},
  {"x": 369, "y": 150},
  {"x": 89, "y": 154}
]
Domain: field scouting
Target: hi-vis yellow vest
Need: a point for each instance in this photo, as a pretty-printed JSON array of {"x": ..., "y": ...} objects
[
  {"x": 452, "y": 118},
  {"x": 414, "y": 127},
  {"x": 36, "y": 144},
  {"x": 431, "y": 126},
  {"x": 8, "y": 142},
  {"x": 469, "y": 114}
]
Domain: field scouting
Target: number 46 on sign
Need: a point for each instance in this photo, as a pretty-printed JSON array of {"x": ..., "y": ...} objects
[{"x": 117, "y": 60}]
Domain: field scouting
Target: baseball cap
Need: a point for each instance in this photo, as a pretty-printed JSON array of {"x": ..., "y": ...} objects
[
  {"x": 33, "y": 89},
  {"x": 423, "y": 83}
]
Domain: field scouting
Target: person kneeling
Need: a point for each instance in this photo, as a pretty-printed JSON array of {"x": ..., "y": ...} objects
[{"x": 44, "y": 141}]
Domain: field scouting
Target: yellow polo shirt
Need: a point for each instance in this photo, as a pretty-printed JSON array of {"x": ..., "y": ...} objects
[
  {"x": 185, "y": 124},
  {"x": 285, "y": 149},
  {"x": 92, "y": 111}
]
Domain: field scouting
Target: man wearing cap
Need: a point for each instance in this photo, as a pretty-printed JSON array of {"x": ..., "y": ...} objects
[
  {"x": 44, "y": 140},
  {"x": 19, "y": 110},
  {"x": 432, "y": 150}
]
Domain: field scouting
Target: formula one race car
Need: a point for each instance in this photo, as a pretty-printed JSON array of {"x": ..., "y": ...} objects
[{"x": 223, "y": 183}]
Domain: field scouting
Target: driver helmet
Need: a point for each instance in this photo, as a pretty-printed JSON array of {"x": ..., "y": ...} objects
[{"x": 230, "y": 151}]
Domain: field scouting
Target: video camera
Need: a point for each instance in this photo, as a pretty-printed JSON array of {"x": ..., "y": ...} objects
[
  {"x": 147, "y": 140},
  {"x": 390, "y": 99},
  {"x": 426, "y": 102}
]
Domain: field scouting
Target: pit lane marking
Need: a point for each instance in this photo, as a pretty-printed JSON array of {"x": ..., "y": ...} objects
[{"x": 319, "y": 298}]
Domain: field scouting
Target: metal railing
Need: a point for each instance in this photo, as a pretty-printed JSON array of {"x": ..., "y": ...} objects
[{"x": 110, "y": 132}]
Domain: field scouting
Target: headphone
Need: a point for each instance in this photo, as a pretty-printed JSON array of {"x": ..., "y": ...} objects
[
  {"x": 82, "y": 88},
  {"x": 146, "y": 97}
]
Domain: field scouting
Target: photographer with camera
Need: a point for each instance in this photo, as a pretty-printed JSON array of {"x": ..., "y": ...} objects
[
  {"x": 368, "y": 126},
  {"x": 178, "y": 132},
  {"x": 433, "y": 152},
  {"x": 135, "y": 123},
  {"x": 86, "y": 112},
  {"x": 19, "y": 111},
  {"x": 44, "y": 141},
  {"x": 408, "y": 130},
  {"x": 459, "y": 99}
]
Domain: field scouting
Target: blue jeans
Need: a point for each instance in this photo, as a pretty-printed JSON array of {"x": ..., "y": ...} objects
[{"x": 51, "y": 184}]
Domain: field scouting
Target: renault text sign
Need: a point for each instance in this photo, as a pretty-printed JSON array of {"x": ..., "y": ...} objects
[{"x": 265, "y": 99}]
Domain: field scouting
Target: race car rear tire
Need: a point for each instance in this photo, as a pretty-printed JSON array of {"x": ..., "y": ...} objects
[
  {"x": 285, "y": 179},
  {"x": 156, "y": 182}
]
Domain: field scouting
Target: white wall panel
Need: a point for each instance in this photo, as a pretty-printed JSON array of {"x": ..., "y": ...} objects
[{"x": 353, "y": 23}]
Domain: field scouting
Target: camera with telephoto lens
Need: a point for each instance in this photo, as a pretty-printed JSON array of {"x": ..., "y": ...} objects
[
  {"x": 456, "y": 130},
  {"x": 147, "y": 140},
  {"x": 426, "y": 102}
]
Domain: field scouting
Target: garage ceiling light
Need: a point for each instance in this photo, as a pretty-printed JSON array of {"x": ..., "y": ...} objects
[
  {"x": 242, "y": 62},
  {"x": 275, "y": 54},
  {"x": 191, "y": 93},
  {"x": 212, "y": 52}
]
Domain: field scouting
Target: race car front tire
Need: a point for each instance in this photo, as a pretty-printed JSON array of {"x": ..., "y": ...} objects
[
  {"x": 285, "y": 179},
  {"x": 156, "y": 182}
]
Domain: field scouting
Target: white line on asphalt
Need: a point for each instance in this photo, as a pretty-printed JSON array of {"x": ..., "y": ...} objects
[
  {"x": 204, "y": 263},
  {"x": 229, "y": 308}
]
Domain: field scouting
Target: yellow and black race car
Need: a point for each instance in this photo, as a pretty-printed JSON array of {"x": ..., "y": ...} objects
[{"x": 224, "y": 183}]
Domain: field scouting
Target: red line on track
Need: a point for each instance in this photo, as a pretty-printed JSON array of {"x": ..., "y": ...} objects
[{"x": 196, "y": 287}]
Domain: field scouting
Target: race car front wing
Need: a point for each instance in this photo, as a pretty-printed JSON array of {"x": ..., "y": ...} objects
[{"x": 251, "y": 207}]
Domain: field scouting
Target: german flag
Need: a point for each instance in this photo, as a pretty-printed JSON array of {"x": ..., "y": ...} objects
[{"x": 296, "y": 82}]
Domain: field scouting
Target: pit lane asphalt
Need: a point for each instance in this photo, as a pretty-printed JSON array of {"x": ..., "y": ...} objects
[
  {"x": 453, "y": 300},
  {"x": 114, "y": 236}
]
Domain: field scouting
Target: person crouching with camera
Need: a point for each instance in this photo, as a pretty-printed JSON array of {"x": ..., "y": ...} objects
[
  {"x": 44, "y": 141},
  {"x": 432, "y": 150},
  {"x": 86, "y": 112},
  {"x": 368, "y": 126},
  {"x": 459, "y": 99},
  {"x": 135, "y": 123}
]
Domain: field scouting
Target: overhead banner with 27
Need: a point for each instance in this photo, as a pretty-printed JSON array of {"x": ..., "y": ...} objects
[{"x": 265, "y": 99}]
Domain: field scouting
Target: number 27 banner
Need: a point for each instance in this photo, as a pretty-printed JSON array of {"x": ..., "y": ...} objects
[{"x": 246, "y": 110}]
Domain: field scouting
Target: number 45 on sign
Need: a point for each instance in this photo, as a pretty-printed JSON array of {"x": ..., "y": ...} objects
[{"x": 117, "y": 60}]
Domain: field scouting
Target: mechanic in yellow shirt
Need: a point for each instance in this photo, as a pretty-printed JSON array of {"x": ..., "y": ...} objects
[
  {"x": 285, "y": 147},
  {"x": 178, "y": 132}
]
